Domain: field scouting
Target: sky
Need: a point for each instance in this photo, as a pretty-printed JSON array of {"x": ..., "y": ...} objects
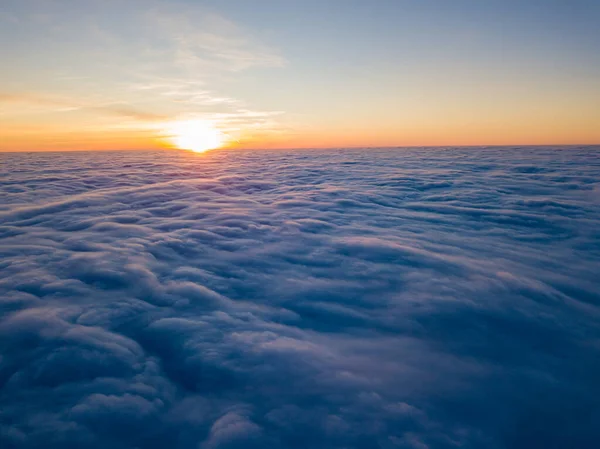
[{"x": 105, "y": 75}]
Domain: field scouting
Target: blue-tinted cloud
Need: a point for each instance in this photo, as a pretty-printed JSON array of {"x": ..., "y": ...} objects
[{"x": 343, "y": 299}]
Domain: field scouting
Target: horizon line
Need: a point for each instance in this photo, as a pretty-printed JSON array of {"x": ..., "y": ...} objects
[{"x": 358, "y": 147}]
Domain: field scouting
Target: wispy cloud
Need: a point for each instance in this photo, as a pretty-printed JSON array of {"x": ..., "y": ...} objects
[
  {"x": 29, "y": 98},
  {"x": 205, "y": 40},
  {"x": 46, "y": 103}
]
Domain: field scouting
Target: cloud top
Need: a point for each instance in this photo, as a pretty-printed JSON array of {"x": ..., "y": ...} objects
[{"x": 343, "y": 299}]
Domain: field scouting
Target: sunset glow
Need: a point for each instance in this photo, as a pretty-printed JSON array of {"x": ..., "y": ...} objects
[
  {"x": 135, "y": 75},
  {"x": 195, "y": 135}
]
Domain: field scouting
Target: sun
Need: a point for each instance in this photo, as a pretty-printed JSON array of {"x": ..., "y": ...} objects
[{"x": 195, "y": 135}]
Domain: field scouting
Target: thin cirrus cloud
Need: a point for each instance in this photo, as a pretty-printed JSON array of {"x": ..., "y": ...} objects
[
  {"x": 45, "y": 103},
  {"x": 211, "y": 41}
]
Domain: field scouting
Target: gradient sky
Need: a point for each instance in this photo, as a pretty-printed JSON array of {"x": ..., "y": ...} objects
[{"x": 107, "y": 74}]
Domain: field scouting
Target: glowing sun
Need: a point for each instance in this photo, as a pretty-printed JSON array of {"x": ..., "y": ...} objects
[{"x": 195, "y": 135}]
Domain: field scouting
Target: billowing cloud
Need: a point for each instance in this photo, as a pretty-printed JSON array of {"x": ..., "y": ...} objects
[{"x": 342, "y": 299}]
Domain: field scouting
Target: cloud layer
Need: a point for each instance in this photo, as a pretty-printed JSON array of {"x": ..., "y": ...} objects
[{"x": 341, "y": 299}]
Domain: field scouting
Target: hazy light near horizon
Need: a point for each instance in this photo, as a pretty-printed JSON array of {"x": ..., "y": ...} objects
[{"x": 195, "y": 135}]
